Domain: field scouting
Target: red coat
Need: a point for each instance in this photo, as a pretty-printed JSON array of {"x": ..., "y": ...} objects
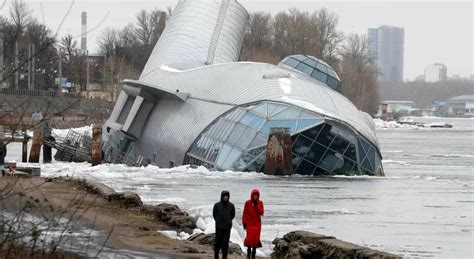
[{"x": 252, "y": 220}]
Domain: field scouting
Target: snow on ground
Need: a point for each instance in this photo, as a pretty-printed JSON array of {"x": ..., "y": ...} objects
[
  {"x": 62, "y": 133},
  {"x": 381, "y": 124}
]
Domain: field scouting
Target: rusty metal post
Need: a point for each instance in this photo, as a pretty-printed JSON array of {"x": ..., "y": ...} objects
[
  {"x": 279, "y": 157},
  {"x": 24, "y": 153},
  {"x": 47, "y": 152},
  {"x": 96, "y": 146},
  {"x": 35, "y": 146}
]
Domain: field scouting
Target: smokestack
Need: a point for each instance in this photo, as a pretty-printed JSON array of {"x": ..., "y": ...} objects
[{"x": 84, "y": 32}]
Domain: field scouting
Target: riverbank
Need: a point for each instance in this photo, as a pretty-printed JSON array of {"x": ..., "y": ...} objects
[{"x": 128, "y": 229}]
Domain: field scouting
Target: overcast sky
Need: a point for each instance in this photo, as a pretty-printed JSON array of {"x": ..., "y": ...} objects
[{"x": 435, "y": 31}]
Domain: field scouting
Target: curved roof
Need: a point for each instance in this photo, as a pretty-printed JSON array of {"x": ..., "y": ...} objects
[{"x": 245, "y": 82}]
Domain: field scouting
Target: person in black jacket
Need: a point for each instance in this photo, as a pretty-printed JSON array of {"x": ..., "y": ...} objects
[{"x": 223, "y": 213}]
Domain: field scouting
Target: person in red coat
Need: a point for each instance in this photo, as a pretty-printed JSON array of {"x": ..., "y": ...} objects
[{"x": 251, "y": 219}]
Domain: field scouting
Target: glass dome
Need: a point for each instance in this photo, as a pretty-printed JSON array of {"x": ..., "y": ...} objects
[{"x": 314, "y": 68}]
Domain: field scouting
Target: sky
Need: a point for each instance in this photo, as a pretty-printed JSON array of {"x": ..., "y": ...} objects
[{"x": 435, "y": 31}]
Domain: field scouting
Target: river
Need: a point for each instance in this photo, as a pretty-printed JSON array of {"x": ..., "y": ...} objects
[{"x": 423, "y": 207}]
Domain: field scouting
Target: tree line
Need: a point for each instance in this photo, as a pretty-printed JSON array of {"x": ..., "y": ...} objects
[{"x": 125, "y": 51}]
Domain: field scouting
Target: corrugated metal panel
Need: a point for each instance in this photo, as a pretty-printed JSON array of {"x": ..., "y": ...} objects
[{"x": 197, "y": 32}]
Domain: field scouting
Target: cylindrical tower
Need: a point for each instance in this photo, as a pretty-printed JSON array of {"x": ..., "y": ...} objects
[{"x": 198, "y": 33}]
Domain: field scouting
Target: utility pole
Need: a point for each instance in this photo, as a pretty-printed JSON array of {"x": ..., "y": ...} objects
[
  {"x": 60, "y": 69},
  {"x": 33, "y": 70},
  {"x": 1, "y": 59},
  {"x": 17, "y": 75},
  {"x": 87, "y": 74},
  {"x": 29, "y": 66}
]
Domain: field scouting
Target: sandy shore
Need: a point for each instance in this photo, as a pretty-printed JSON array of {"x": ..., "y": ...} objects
[{"x": 129, "y": 229}]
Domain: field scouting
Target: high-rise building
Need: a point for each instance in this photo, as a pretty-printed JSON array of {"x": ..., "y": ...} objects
[
  {"x": 435, "y": 73},
  {"x": 386, "y": 46}
]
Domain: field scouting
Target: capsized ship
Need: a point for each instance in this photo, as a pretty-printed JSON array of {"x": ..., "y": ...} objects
[{"x": 195, "y": 104}]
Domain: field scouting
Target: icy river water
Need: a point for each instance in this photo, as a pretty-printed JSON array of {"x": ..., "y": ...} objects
[{"x": 424, "y": 207}]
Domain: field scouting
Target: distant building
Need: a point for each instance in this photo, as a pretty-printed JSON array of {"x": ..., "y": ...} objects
[
  {"x": 436, "y": 73},
  {"x": 420, "y": 78},
  {"x": 396, "y": 109},
  {"x": 462, "y": 105},
  {"x": 386, "y": 45}
]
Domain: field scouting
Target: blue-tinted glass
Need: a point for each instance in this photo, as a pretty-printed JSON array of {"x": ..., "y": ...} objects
[
  {"x": 351, "y": 152},
  {"x": 310, "y": 62},
  {"x": 325, "y": 137},
  {"x": 319, "y": 76},
  {"x": 247, "y": 118},
  {"x": 287, "y": 124},
  {"x": 270, "y": 108},
  {"x": 333, "y": 83},
  {"x": 371, "y": 157},
  {"x": 299, "y": 57},
  {"x": 261, "y": 109},
  {"x": 223, "y": 155},
  {"x": 330, "y": 160},
  {"x": 266, "y": 128},
  {"x": 319, "y": 171},
  {"x": 235, "y": 135},
  {"x": 313, "y": 132},
  {"x": 307, "y": 115},
  {"x": 339, "y": 144},
  {"x": 277, "y": 110},
  {"x": 332, "y": 73},
  {"x": 316, "y": 153},
  {"x": 365, "y": 145},
  {"x": 246, "y": 138},
  {"x": 306, "y": 123},
  {"x": 290, "y": 113},
  {"x": 305, "y": 168},
  {"x": 302, "y": 145},
  {"x": 258, "y": 141},
  {"x": 231, "y": 158},
  {"x": 366, "y": 164},
  {"x": 256, "y": 122},
  {"x": 347, "y": 168},
  {"x": 296, "y": 161},
  {"x": 361, "y": 150},
  {"x": 304, "y": 68},
  {"x": 322, "y": 68},
  {"x": 291, "y": 62}
]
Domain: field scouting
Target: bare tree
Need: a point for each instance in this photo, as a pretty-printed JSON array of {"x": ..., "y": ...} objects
[{"x": 20, "y": 13}]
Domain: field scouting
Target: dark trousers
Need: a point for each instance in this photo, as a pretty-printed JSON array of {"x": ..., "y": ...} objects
[
  {"x": 251, "y": 252},
  {"x": 222, "y": 242}
]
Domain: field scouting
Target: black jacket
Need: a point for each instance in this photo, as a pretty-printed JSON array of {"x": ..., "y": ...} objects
[
  {"x": 223, "y": 212},
  {"x": 3, "y": 153}
]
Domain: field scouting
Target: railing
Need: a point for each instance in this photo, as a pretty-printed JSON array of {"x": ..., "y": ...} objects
[{"x": 29, "y": 92}]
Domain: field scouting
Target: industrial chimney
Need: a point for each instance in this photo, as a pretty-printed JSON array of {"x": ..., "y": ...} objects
[{"x": 84, "y": 32}]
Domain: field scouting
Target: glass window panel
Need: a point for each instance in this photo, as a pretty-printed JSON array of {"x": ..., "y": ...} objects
[
  {"x": 301, "y": 145},
  {"x": 306, "y": 123},
  {"x": 313, "y": 132},
  {"x": 261, "y": 109},
  {"x": 266, "y": 128},
  {"x": 235, "y": 135},
  {"x": 332, "y": 82},
  {"x": 305, "y": 168},
  {"x": 316, "y": 153},
  {"x": 256, "y": 122},
  {"x": 287, "y": 124},
  {"x": 366, "y": 164},
  {"x": 270, "y": 108},
  {"x": 246, "y": 138},
  {"x": 296, "y": 161},
  {"x": 214, "y": 152},
  {"x": 247, "y": 118},
  {"x": 233, "y": 155},
  {"x": 351, "y": 152},
  {"x": 320, "y": 76},
  {"x": 322, "y": 68},
  {"x": 347, "y": 168},
  {"x": 226, "y": 131},
  {"x": 277, "y": 110},
  {"x": 330, "y": 160},
  {"x": 259, "y": 140},
  {"x": 307, "y": 115},
  {"x": 339, "y": 144},
  {"x": 332, "y": 73},
  {"x": 290, "y": 113},
  {"x": 310, "y": 62},
  {"x": 223, "y": 155},
  {"x": 371, "y": 157},
  {"x": 299, "y": 57},
  {"x": 243, "y": 161},
  {"x": 304, "y": 68},
  {"x": 325, "y": 137},
  {"x": 365, "y": 145},
  {"x": 291, "y": 62}
]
